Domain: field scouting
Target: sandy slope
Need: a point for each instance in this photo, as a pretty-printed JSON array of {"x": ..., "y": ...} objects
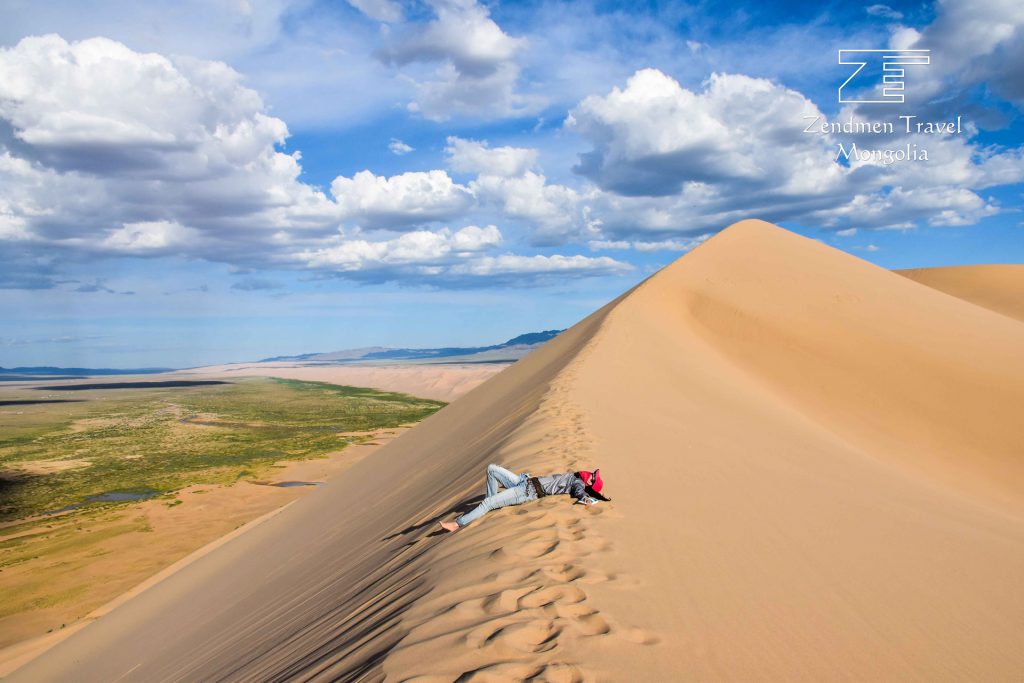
[
  {"x": 104, "y": 563},
  {"x": 817, "y": 475},
  {"x": 996, "y": 287}
]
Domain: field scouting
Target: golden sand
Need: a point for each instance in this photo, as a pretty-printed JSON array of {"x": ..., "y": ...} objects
[{"x": 816, "y": 473}]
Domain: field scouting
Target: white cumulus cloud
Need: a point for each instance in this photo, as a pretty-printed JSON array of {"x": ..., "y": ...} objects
[
  {"x": 148, "y": 236},
  {"x": 112, "y": 151},
  {"x": 398, "y": 147},
  {"x": 452, "y": 258},
  {"x": 472, "y": 156},
  {"x": 653, "y": 136},
  {"x": 417, "y": 247},
  {"x": 477, "y": 73},
  {"x": 402, "y": 201},
  {"x": 884, "y": 11},
  {"x": 108, "y": 139},
  {"x": 674, "y": 161},
  {"x": 463, "y": 33},
  {"x": 515, "y": 264},
  {"x": 381, "y": 10}
]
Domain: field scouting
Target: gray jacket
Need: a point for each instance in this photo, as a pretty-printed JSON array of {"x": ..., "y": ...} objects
[{"x": 555, "y": 484}]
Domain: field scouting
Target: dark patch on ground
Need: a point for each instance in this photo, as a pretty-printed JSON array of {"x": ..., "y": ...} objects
[
  {"x": 29, "y": 402},
  {"x": 133, "y": 385},
  {"x": 35, "y": 378}
]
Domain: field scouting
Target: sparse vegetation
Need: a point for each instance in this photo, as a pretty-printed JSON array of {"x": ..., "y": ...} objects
[
  {"x": 105, "y": 452},
  {"x": 157, "y": 440}
]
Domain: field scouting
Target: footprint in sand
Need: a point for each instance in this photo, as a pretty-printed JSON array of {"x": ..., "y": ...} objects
[
  {"x": 539, "y": 525},
  {"x": 503, "y": 672},
  {"x": 536, "y": 549},
  {"x": 564, "y": 573},
  {"x": 639, "y": 636},
  {"x": 533, "y": 516},
  {"x": 572, "y": 611},
  {"x": 616, "y": 580},
  {"x": 592, "y": 576},
  {"x": 531, "y": 637},
  {"x": 593, "y": 625},
  {"x": 507, "y": 600},
  {"x": 514, "y": 575},
  {"x": 573, "y": 534},
  {"x": 559, "y": 673},
  {"x": 564, "y": 594}
]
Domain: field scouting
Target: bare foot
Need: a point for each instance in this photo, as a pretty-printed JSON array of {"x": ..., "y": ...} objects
[{"x": 449, "y": 526}]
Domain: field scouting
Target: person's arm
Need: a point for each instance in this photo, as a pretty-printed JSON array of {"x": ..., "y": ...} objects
[{"x": 579, "y": 491}]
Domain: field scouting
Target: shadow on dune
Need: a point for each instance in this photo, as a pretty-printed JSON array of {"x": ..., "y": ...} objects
[{"x": 455, "y": 510}]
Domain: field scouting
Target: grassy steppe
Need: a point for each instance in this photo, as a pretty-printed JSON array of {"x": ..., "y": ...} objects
[
  {"x": 170, "y": 442},
  {"x": 156, "y": 440}
]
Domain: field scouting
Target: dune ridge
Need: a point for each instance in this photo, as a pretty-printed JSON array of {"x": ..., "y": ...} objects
[
  {"x": 815, "y": 468},
  {"x": 997, "y": 287},
  {"x": 809, "y": 542}
]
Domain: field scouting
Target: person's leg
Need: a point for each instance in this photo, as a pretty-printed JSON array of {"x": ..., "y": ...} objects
[
  {"x": 496, "y": 474},
  {"x": 512, "y": 496}
]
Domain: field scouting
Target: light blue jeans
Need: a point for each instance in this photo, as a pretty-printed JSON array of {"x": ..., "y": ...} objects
[{"x": 516, "y": 492}]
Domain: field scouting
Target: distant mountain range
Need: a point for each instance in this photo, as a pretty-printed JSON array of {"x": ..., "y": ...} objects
[
  {"x": 509, "y": 351},
  {"x": 513, "y": 349}
]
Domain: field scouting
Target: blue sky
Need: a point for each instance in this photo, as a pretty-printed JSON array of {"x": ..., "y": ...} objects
[{"x": 184, "y": 183}]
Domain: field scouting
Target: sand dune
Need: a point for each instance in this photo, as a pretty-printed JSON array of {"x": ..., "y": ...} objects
[
  {"x": 997, "y": 287},
  {"x": 440, "y": 381},
  {"x": 816, "y": 469}
]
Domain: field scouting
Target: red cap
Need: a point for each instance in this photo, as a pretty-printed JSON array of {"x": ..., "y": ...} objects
[{"x": 592, "y": 479}]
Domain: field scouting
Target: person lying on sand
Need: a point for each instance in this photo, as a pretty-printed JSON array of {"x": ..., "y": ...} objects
[{"x": 584, "y": 486}]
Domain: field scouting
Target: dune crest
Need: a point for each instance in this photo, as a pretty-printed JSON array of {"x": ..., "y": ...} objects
[
  {"x": 816, "y": 474},
  {"x": 997, "y": 287},
  {"x": 893, "y": 368}
]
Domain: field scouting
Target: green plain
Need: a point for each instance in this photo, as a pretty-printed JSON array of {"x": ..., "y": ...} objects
[{"x": 158, "y": 440}]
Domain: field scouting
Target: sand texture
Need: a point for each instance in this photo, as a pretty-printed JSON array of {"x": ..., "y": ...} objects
[
  {"x": 817, "y": 474},
  {"x": 997, "y": 287}
]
